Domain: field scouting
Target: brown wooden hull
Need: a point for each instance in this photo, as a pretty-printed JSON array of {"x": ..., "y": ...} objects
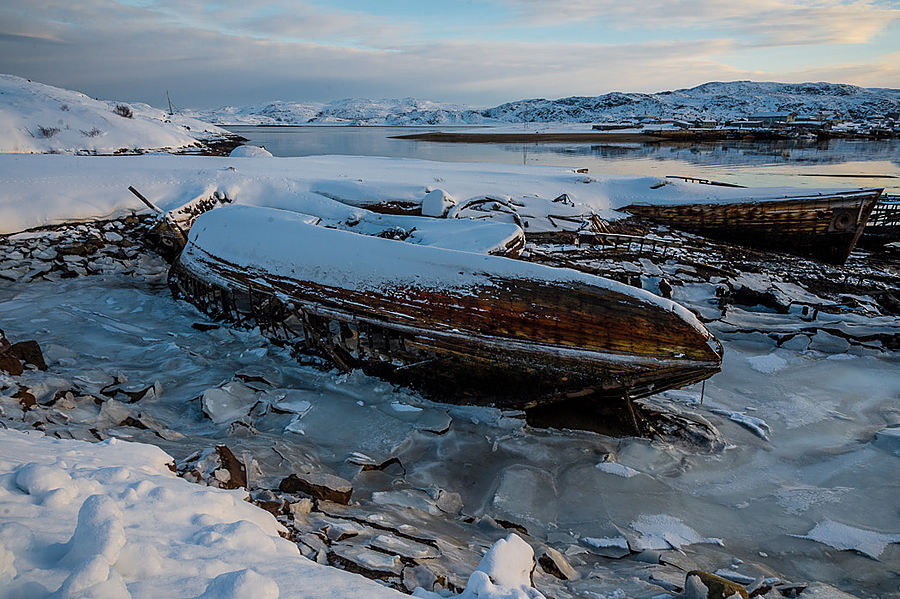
[
  {"x": 513, "y": 343},
  {"x": 822, "y": 227}
]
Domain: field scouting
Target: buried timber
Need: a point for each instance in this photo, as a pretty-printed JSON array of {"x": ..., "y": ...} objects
[{"x": 462, "y": 327}]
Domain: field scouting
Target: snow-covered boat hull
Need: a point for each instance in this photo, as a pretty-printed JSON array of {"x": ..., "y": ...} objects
[
  {"x": 463, "y": 327},
  {"x": 825, "y": 227}
]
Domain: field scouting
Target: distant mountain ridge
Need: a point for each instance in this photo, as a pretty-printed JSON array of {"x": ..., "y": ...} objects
[{"x": 714, "y": 100}]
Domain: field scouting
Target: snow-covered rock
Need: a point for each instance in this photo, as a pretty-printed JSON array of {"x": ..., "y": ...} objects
[
  {"x": 437, "y": 203},
  {"x": 503, "y": 573},
  {"x": 249, "y": 152},
  {"x": 40, "y": 119}
]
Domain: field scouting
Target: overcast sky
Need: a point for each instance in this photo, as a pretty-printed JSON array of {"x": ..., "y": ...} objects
[{"x": 218, "y": 52}]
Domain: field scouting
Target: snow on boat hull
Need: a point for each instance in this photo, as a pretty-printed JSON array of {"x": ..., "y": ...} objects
[
  {"x": 825, "y": 227},
  {"x": 460, "y": 326}
]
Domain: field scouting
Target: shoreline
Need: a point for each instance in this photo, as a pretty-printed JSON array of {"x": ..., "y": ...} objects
[{"x": 599, "y": 137}]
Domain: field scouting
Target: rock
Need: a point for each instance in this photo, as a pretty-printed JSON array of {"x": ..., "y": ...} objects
[
  {"x": 29, "y": 352},
  {"x": 112, "y": 237},
  {"x": 319, "y": 485},
  {"x": 555, "y": 564},
  {"x": 25, "y": 398},
  {"x": 268, "y": 501},
  {"x": 717, "y": 587},
  {"x": 10, "y": 364},
  {"x": 236, "y": 470}
]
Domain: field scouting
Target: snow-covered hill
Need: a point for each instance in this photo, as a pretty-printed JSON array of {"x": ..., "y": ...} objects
[
  {"x": 37, "y": 118},
  {"x": 711, "y": 100},
  {"x": 714, "y": 100},
  {"x": 351, "y": 111}
]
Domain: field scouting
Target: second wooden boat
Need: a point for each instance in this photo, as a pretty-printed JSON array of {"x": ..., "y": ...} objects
[{"x": 825, "y": 226}]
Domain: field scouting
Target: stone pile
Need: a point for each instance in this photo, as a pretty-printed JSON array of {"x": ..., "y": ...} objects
[{"x": 72, "y": 250}]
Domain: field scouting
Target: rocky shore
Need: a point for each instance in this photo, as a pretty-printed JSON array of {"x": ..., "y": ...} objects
[{"x": 368, "y": 508}]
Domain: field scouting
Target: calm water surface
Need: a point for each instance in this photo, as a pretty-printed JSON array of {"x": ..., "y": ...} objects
[{"x": 833, "y": 163}]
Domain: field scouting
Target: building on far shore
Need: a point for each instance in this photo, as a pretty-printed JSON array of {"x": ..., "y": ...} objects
[{"x": 773, "y": 119}]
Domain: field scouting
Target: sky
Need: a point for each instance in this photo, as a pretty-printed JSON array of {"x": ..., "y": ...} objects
[{"x": 210, "y": 53}]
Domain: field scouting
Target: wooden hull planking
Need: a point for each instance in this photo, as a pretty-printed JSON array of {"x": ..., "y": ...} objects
[
  {"x": 884, "y": 224},
  {"x": 822, "y": 227},
  {"x": 513, "y": 343}
]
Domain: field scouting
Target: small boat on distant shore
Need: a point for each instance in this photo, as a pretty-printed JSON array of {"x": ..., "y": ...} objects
[
  {"x": 825, "y": 226},
  {"x": 460, "y": 326}
]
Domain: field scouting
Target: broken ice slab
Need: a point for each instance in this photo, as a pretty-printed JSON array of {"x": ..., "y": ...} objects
[
  {"x": 888, "y": 438},
  {"x": 232, "y": 401},
  {"x": 403, "y": 547},
  {"x": 374, "y": 564},
  {"x": 849, "y": 538}
]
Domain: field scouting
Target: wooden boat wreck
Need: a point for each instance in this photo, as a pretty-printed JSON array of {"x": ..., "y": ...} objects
[
  {"x": 825, "y": 226},
  {"x": 169, "y": 234},
  {"x": 459, "y": 326},
  {"x": 884, "y": 224}
]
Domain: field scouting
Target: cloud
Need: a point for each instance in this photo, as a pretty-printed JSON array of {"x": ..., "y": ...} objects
[
  {"x": 767, "y": 22},
  {"x": 228, "y": 53}
]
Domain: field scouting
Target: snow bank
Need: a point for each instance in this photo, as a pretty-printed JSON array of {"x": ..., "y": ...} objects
[
  {"x": 42, "y": 190},
  {"x": 39, "y": 119},
  {"x": 249, "y": 152},
  {"x": 111, "y": 520}
]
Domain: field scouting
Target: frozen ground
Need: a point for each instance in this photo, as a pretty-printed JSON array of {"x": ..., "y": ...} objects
[{"x": 805, "y": 489}]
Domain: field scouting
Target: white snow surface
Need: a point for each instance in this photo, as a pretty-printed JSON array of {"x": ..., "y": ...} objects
[
  {"x": 40, "y": 119},
  {"x": 42, "y": 190},
  {"x": 110, "y": 521}
]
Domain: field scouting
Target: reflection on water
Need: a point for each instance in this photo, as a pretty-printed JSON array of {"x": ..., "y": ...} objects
[{"x": 827, "y": 163}]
